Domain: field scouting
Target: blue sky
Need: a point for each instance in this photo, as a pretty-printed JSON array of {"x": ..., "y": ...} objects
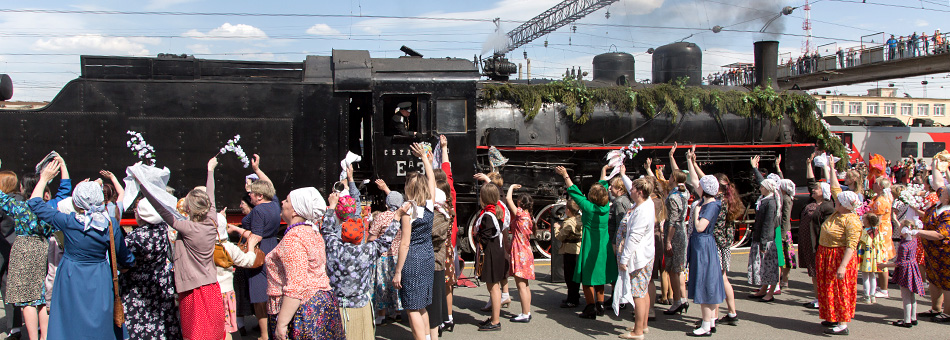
[{"x": 41, "y": 51}]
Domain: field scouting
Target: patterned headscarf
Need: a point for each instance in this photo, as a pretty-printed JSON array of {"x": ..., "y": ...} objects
[
  {"x": 710, "y": 185},
  {"x": 394, "y": 200},
  {"x": 347, "y": 208},
  {"x": 849, "y": 200},
  {"x": 88, "y": 197}
]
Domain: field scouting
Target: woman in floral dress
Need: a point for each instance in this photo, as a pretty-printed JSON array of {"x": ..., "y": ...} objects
[
  {"x": 522, "y": 258},
  {"x": 148, "y": 288}
]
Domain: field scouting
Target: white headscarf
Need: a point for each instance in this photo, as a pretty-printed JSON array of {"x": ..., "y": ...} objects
[
  {"x": 825, "y": 191},
  {"x": 148, "y": 213},
  {"x": 774, "y": 177},
  {"x": 308, "y": 203},
  {"x": 771, "y": 186},
  {"x": 222, "y": 227},
  {"x": 88, "y": 197},
  {"x": 66, "y": 206},
  {"x": 440, "y": 203},
  {"x": 788, "y": 187},
  {"x": 710, "y": 185},
  {"x": 849, "y": 200}
]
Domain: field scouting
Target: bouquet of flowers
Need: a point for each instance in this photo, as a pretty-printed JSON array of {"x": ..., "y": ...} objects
[
  {"x": 615, "y": 158},
  {"x": 140, "y": 148},
  {"x": 912, "y": 195},
  {"x": 863, "y": 208},
  {"x": 233, "y": 146}
]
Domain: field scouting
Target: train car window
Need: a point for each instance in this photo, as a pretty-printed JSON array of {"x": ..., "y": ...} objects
[
  {"x": 909, "y": 149},
  {"x": 451, "y": 115},
  {"x": 933, "y": 148}
]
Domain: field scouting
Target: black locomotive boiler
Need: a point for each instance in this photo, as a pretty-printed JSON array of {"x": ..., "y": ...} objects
[{"x": 303, "y": 117}]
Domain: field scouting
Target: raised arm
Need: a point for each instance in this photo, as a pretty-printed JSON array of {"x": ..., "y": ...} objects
[
  {"x": 809, "y": 167},
  {"x": 673, "y": 165},
  {"x": 603, "y": 172},
  {"x": 354, "y": 190},
  {"x": 209, "y": 184},
  {"x": 938, "y": 176},
  {"x": 755, "y": 169},
  {"x": 692, "y": 160},
  {"x": 45, "y": 176},
  {"x": 256, "y": 166},
  {"x": 563, "y": 173},
  {"x": 382, "y": 186},
  {"x": 648, "y": 164},
  {"x": 427, "y": 164},
  {"x": 692, "y": 179},
  {"x": 778, "y": 167},
  {"x": 508, "y": 198},
  {"x": 118, "y": 188},
  {"x": 444, "y": 142}
]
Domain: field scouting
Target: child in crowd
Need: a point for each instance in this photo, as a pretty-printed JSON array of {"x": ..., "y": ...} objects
[
  {"x": 907, "y": 274},
  {"x": 871, "y": 253}
]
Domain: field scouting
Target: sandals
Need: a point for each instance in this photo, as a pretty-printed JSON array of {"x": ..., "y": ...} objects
[{"x": 942, "y": 318}]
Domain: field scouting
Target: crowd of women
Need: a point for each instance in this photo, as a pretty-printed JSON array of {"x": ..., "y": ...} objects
[{"x": 333, "y": 270}]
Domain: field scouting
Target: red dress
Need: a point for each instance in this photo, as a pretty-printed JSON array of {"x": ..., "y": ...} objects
[{"x": 522, "y": 257}]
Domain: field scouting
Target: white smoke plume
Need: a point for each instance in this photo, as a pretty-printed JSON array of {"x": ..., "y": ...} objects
[{"x": 497, "y": 41}]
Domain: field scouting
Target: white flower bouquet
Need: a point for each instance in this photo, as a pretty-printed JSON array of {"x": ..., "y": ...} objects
[
  {"x": 140, "y": 148},
  {"x": 233, "y": 146}
]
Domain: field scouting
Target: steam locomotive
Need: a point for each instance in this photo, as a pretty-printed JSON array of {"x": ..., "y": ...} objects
[{"x": 303, "y": 117}]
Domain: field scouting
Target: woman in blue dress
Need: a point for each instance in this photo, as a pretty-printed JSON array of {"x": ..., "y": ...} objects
[
  {"x": 263, "y": 221},
  {"x": 705, "y": 285},
  {"x": 82, "y": 297},
  {"x": 416, "y": 263}
]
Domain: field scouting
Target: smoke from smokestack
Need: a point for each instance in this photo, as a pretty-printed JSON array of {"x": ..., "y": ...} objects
[{"x": 497, "y": 41}]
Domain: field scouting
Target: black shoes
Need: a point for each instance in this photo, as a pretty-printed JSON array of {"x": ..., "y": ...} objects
[
  {"x": 590, "y": 312},
  {"x": 488, "y": 326},
  {"x": 568, "y": 305},
  {"x": 810, "y": 305},
  {"x": 520, "y": 318},
  {"x": 449, "y": 326},
  {"x": 599, "y": 308},
  {"x": 828, "y": 324},
  {"x": 834, "y": 332},
  {"x": 728, "y": 320},
  {"x": 693, "y": 333},
  {"x": 901, "y": 323},
  {"x": 681, "y": 309}
]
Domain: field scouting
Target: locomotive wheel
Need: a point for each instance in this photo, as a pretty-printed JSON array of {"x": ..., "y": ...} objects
[
  {"x": 544, "y": 227},
  {"x": 746, "y": 225}
]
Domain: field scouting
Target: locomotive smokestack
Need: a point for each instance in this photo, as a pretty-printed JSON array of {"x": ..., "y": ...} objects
[{"x": 766, "y": 64}]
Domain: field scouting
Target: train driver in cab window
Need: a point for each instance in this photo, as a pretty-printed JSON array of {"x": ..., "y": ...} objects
[{"x": 401, "y": 120}]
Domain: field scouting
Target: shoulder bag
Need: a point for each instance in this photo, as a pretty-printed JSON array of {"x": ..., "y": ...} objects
[
  {"x": 118, "y": 312},
  {"x": 259, "y": 260}
]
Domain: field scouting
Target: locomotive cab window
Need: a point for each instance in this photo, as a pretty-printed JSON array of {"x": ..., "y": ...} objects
[
  {"x": 451, "y": 115},
  {"x": 401, "y": 116}
]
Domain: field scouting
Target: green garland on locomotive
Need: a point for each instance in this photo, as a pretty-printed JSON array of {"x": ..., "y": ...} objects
[{"x": 672, "y": 99}]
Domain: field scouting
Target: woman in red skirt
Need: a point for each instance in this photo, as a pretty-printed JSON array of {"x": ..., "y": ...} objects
[
  {"x": 835, "y": 261},
  {"x": 199, "y": 296}
]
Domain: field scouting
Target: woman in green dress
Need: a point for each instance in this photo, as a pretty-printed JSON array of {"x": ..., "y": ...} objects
[{"x": 596, "y": 264}]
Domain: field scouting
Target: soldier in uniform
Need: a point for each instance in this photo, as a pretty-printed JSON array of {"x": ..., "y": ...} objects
[{"x": 401, "y": 120}]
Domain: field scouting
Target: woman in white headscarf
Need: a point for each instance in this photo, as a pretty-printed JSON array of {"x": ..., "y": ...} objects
[
  {"x": 763, "y": 253},
  {"x": 148, "y": 288},
  {"x": 84, "y": 276},
  {"x": 835, "y": 261},
  {"x": 705, "y": 285},
  {"x": 813, "y": 215},
  {"x": 301, "y": 302},
  {"x": 787, "y": 189}
]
